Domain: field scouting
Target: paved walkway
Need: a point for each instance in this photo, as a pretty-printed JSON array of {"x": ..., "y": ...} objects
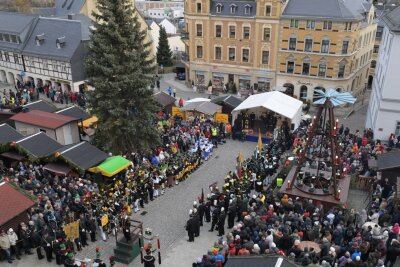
[{"x": 168, "y": 214}]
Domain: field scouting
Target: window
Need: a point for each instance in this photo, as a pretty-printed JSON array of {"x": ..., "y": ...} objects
[
  {"x": 245, "y": 55},
  {"x": 6, "y": 37},
  {"x": 342, "y": 68},
  {"x": 199, "y": 51},
  {"x": 265, "y": 57},
  {"x": 14, "y": 39},
  {"x": 310, "y": 24},
  {"x": 45, "y": 65},
  {"x": 308, "y": 45},
  {"x": 373, "y": 64},
  {"x": 233, "y": 9},
  {"x": 42, "y": 130},
  {"x": 246, "y": 32},
  {"x": 1, "y": 37},
  {"x": 7, "y": 56},
  {"x": 303, "y": 92},
  {"x": 232, "y": 54},
  {"x": 267, "y": 34},
  {"x": 294, "y": 23},
  {"x": 345, "y": 46},
  {"x": 219, "y": 8},
  {"x": 247, "y": 9},
  {"x": 16, "y": 59},
  {"x": 199, "y": 30},
  {"x": 63, "y": 68},
  {"x": 322, "y": 70},
  {"x": 327, "y": 25},
  {"x": 290, "y": 67},
  {"x": 218, "y": 53},
  {"x": 232, "y": 31},
  {"x": 376, "y": 49},
  {"x": 198, "y": 7},
  {"x": 218, "y": 31},
  {"x": 347, "y": 26},
  {"x": 306, "y": 68},
  {"x": 268, "y": 9},
  {"x": 325, "y": 46},
  {"x": 292, "y": 43}
]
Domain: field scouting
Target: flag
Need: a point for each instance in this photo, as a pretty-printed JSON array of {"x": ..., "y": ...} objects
[
  {"x": 259, "y": 144},
  {"x": 239, "y": 165}
]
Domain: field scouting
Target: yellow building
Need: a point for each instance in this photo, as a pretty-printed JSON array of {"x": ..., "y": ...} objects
[
  {"x": 232, "y": 40},
  {"x": 90, "y": 5},
  {"x": 325, "y": 44}
]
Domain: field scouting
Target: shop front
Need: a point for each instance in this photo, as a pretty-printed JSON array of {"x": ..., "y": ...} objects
[
  {"x": 263, "y": 84},
  {"x": 218, "y": 81},
  {"x": 244, "y": 82},
  {"x": 200, "y": 77}
]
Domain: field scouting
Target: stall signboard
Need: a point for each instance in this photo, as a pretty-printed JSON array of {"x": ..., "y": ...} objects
[
  {"x": 177, "y": 111},
  {"x": 220, "y": 117}
]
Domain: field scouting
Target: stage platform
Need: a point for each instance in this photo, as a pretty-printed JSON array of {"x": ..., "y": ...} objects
[{"x": 328, "y": 200}]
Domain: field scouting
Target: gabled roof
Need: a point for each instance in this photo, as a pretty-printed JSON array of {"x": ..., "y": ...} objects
[
  {"x": 390, "y": 160},
  {"x": 164, "y": 99},
  {"x": 240, "y": 6},
  {"x": 228, "y": 100},
  {"x": 392, "y": 20},
  {"x": 41, "y": 105},
  {"x": 12, "y": 203},
  {"x": 16, "y": 23},
  {"x": 75, "y": 112},
  {"x": 82, "y": 155},
  {"x": 43, "y": 119},
  {"x": 51, "y": 29},
  {"x": 8, "y": 134},
  {"x": 38, "y": 145},
  {"x": 203, "y": 107},
  {"x": 326, "y": 9}
]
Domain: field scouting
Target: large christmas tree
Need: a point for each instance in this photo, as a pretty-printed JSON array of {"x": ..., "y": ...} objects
[
  {"x": 164, "y": 54},
  {"x": 120, "y": 68}
]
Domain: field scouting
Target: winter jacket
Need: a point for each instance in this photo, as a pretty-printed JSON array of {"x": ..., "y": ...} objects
[
  {"x": 4, "y": 242},
  {"x": 12, "y": 236}
]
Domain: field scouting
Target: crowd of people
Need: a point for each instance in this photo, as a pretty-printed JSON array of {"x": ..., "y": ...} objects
[
  {"x": 262, "y": 221},
  {"x": 65, "y": 199},
  {"x": 26, "y": 92}
]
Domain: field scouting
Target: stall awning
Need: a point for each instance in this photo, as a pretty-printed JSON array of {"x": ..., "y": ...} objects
[
  {"x": 218, "y": 75},
  {"x": 57, "y": 168},
  {"x": 13, "y": 155},
  {"x": 246, "y": 78},
  {"x": 87, "y": 123},
  {"x": 112, "y": 166}
]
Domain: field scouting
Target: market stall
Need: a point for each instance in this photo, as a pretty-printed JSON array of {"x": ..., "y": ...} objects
[
  {"x": 275, "y": 101},
  {"x": 112, "y": 166},
  {"x": 204, "y": 110}
]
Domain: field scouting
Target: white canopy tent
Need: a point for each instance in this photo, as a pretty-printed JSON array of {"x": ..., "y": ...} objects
[
  {"x": 199, "y": 99},
  {"x": 275, "y": 101}
]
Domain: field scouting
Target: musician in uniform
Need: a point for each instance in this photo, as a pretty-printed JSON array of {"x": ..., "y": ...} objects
[{"x": 125, "y": 224}]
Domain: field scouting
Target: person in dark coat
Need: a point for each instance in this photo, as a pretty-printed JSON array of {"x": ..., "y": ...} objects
[
  {"x": 215, "y": 215},
  {"x": 201, "y": 211},
  {"x": 196, "y": 219},
  {"x": 92, "y": 229},
  {"x": 231, "y": 215},
  {"x": 191, "y": 227},
  {"x": 149, "y": 259},
  {"x": 207, "y": 210},
  {"x": 221, "y": 223},
  {"x": 47, "y": 244},
  {"x": 392, "y": 253}
]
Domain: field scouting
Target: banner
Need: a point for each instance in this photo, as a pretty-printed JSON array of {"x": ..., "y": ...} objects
[
  {"x": 104, "y": 220},
  {"x": 220, "y": 117},
  {"x": 71, "y": 230},
  {"x": 177, "y": 111}
]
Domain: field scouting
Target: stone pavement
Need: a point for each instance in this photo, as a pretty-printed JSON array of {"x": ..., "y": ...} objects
[{"x": 167, "y": 215}]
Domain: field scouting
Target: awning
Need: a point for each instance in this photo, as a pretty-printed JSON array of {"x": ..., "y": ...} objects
[
  {"x": 13, "y": 155},
  {"x": 112, "y": 166},
  {"x": 199, "y": 72},
  {"x": 57, "y": 168},
  {"x": 87, "y": 123},
  {"x": 246, "y": 78},
  {"x": 262, "y": 79},
  {"x": 218, "y": 75}
]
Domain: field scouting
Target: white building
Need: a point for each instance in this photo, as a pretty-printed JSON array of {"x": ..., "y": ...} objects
[
  {"x": 383, "y": 115},
  {"x": 43, "y": 50},
  {"x": 169, "y": 27},
  {"x": 162, "y": 13}
]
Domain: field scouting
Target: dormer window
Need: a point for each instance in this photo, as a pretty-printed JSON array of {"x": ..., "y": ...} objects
[
  {"x": 39, "y": 39},
  {"x": 247, "y": 9},
  {"x": 219, "y": 8},
  {"x": 60, "y": 42},
  {"x": 233, "y": 9}
]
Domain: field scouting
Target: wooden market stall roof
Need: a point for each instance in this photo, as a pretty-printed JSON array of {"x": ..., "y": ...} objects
[
  {"x": 38, "y": 145},
  {"x": 75, "y": 112},
  {"x": 202, "y": 107},
  {"x": 112, "y": 166},
  {"x": 164, "y": 99},
  {"x": 8, "y": 134},
  {"x": 389, "y": 160}
]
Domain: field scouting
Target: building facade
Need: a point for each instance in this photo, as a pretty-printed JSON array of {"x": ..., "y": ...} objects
[
  {"x": 232, "y": 41},
  {"x": 325, "y": 44},
  {"x": 383, "y": 115},
  {"x": 42, "y": 50}
]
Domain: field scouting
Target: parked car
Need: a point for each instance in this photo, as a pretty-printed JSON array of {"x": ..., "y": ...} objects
[{"x": 181, "y": 76}]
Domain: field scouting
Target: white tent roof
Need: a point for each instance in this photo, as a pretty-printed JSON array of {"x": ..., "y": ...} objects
[
  {"x": 275, "y": 101},
  {"x": 199, "y": 99}
]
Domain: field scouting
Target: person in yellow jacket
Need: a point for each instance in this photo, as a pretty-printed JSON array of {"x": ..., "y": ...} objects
[{"x": 214, "y": 136}]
